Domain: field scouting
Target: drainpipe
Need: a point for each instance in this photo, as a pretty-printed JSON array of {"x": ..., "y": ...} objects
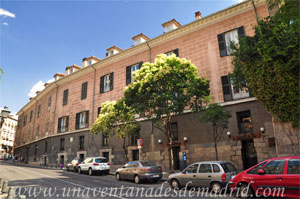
[
  {"x": 149, "y": 51},
  {"x": 54, "y": 114},
  {"x": 254, "y": 7}
]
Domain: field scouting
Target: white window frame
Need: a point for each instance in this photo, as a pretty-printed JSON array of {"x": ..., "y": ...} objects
[
  {"x": 231, "y": 36},
  {"x": 133, "y": 70},
  {"x": 107, "y": 82},
  {"x": 82, "y": 120},
  {"x": 63, "y": 123}
]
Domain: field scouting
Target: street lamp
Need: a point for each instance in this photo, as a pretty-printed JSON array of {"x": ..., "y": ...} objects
[{"x": 4, "y": 114}]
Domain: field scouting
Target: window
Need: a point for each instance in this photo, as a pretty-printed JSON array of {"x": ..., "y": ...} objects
[
  {"x": 228, "y": 167},
  {"x": 65, "y": 97},
  {"x": 135, "y": 155},
  {"x": 205, "y": 168},
  {"x": 81, "y": 142},
  {"x": 216, "y": 168},
  {"x": 46, "y": 147},
  {"x": 105, "y": 140},
  {"x": 37, "y": 131},
  {"x": 47, "y": 126},
  {"x": 130, "y": 71},
  {"x": 274, "y": 167},
  {"x": 293, "y": 166},
  {"x": 191, "y": 169},
  {"x": 84, "y": 90},
  {"x": 255, "y": 169},
  {"x": 176, "y": 52},
  {"x": 49, "y": 103},
  {"x": 24, "y": 120},
  {"x": 106, "y": 83},
  {"x": 63, "y": 124},
  {"x": 82, "y": 120},
  {"x": 30, "y": 118},
  {"x": 39, "y": 110},
  {"x": 62, "y": 144},
  {"x": 134, "y": 138},
  {"x": 225, "y": 39},
  {"x": 106, "y": 155},
  {"x": 174, "y": 131},
  {"x": 230, "y": 92}
]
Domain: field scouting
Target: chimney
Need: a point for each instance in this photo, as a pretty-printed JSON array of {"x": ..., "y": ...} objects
[
  {"x": 89, "y": 61},
  {"x": 72, "y": 69},
  {"x": 112, "y": 51},
  {"x": 58, "y": 76},
  {"x": 140, "y": 38},
  {"x": 171, "y": 25},
  {"x": 198, "y": 15}
]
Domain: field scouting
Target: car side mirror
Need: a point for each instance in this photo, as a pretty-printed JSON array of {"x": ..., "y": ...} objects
[{"x": 261, "y": 172}]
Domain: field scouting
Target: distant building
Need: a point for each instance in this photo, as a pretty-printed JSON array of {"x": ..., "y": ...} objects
[{"x": 7, "y": 134}]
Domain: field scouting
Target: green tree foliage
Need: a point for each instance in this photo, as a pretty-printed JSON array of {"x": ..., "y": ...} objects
[
  {"x": 1, "y": 73},
  {"x": 116, "y": 119},
  {"x": 219, "y": 119},
  {"x": 268, "y": 62},
  {"x": 165, "y": 88}
]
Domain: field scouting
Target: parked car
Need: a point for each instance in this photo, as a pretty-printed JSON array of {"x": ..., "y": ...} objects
[
  {"x": 73, "y": 165},
  {"x": 212, "y": 174},
  {"x": 139, "y": 171},
  {"x": 281, "y": 172},
  {"x": 94, "y": 165}
]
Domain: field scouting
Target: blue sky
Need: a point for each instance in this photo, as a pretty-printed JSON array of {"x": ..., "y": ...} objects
[{"x": 40, "y": 38}]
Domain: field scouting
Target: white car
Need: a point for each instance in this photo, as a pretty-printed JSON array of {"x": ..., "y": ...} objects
[{"x": 94, "y": 165}]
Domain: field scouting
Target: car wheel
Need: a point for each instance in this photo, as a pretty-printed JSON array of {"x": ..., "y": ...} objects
[
  {"x": 175, "y": 184},
  {"x": 245, "y": 191},
  {"x": 118, "y": 177},
  {"x": 137, "y": 179},
  {"x": 216, "y": 187},
  {"x": 90, "y": 171},
  {"x": 79, "y": 170}
]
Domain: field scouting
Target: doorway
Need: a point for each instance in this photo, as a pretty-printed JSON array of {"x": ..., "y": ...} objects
[
  {"x": 176, "y": 150},
  {"x": 45, "y": 161},
  {"x": 106, "y": 155},
  {"x": 245, "y": 126}
]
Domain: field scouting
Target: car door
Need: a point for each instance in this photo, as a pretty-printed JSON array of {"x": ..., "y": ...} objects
[
  {"x": 190, "y": 174},
  {"x": 291, "y": 178},
  {"x": 204, "y": 175},
  {"x": 271, "y": 178},
  {"x": 86, "y": 164},
  {"x": 133, "y": 170}
]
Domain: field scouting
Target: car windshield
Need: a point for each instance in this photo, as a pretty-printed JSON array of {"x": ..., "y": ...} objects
[
  {"x": 80, "y": 160},
  {"x": 228, "y": 167},
  {"x": 100, "y": 160},
  {"x": 148, "y": 164}
]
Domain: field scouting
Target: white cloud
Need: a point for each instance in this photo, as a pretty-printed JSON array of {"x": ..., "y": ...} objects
[
  {"x": 239, "y": 1},
  {"x": 5, "y": 23},
  {"x": 37, "y": 87},
  {"x": 50, "y": 81},
  {"x": 6, "y": 13}
]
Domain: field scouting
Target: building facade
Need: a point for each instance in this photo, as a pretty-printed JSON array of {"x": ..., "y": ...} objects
[
  {"x": 7, "y": 134},
  {"x": 54, "y": 126}
]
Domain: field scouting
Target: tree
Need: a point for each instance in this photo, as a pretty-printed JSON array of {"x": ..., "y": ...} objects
[
  {"x": 1, "y": 73},
  {"x": 164, "y": 89},
  {"x": 268, "y": 63},
  {"x": 219, "y": 119},
  {"x": 116, "y": 119}
]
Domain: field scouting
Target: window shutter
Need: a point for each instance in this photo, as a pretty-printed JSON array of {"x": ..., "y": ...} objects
[
  {"x": 241, "y": 31},
  {"x": 87, "y": 118},
  {"x": 111, "y": 80},
  {"x": 128, "y": 75},
  {"x": 102, "y": 84},
  {"x": 226, "y": 87},
  {"x": 99, "y": 110},
  {"x": 176, "y": 52},
  {"x": 59, "y": 125},
  {"x": 84, "y": 90},
  {"x": 140, "y": 65},
  {"x": 222, "y": 45},
  {"x": 67, "y": 123},
  {"x": 77, "y": 120}
]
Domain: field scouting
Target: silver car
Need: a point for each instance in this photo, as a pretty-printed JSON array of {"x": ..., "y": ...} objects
[
  {"x": 139, "y": 171},
  {"x": 212, "y": 174}
]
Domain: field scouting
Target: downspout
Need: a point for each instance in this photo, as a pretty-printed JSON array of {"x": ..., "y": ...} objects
[
  {"x": 149, "y": 51},
  {"x": 93, "y": 108},
  {"x": 252, "y": 1},
  {"x": 54, "y": 114}
]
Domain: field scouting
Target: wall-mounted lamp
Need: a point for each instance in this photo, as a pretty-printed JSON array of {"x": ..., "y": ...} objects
[
  {"x": 159, "y": 141},
  {"x": 185, "y": 139},
  {"x": 229, "y": 134},
  {"x": 262, "y": 130}
]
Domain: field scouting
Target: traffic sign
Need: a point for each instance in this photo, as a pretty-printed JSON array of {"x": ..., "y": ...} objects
[{"x": 139, "y": 142}]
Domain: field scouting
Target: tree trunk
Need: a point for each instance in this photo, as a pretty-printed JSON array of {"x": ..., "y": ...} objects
[
  {"x": 170, "y": 137},
  {"x": 125, "y": 149},
  {"x": 215, "y": 143},
  {"x": 286, "y": 137}
]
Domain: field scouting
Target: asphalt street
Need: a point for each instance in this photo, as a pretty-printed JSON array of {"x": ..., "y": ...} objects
[{"x": 49, "y": 183}]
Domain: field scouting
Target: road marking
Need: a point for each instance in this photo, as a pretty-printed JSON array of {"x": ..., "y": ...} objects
[{"x": 69, "y": 182}]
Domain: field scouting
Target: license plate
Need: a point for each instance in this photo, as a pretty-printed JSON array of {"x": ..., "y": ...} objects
[
  {"x": 232, "y": 177},
  {"x": 155, "y": 176}
]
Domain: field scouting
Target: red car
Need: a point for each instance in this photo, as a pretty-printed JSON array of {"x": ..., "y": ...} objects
[{"x": 276, "y": 177}]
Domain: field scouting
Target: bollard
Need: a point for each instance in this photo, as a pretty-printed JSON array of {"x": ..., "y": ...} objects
[
  {"x": 11, "y": 193},
  {"x": 5, "y": 187}
]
